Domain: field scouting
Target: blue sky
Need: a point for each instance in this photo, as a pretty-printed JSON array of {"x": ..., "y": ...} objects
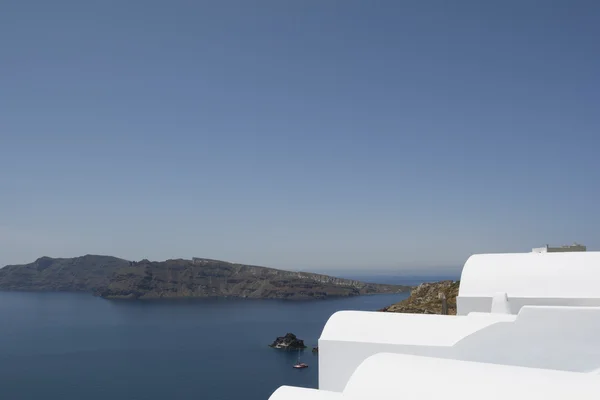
[{"x": 315, "y": 135}]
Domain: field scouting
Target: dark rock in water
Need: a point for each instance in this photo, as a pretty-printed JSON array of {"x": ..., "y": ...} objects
[
  {"x": 315, "y": 349},
  {"x": 288, "y": 342}
]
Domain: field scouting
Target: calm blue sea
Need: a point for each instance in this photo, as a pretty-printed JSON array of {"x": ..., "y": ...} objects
[{"x": 76, "y": 346}]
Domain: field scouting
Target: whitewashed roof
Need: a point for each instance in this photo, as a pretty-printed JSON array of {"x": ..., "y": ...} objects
[
  {"x": 405, "y": 329},
  {"x": 554, "y": 337},
  {"x": 297, "y": 393},
  {"x": 518, "y": 313},
  {"x": 395, "y": 376},
  {"x": 387, "y": 376},
  {"x": 541, "y": 275}
]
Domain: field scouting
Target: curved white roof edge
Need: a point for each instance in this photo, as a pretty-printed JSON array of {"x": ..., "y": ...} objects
[
  {"x": 385, "y": 375},
  {"x": 406, "y": 329},
  {"x": 496, "y": 317},
  {"x": 545, "y": 275},
  {"x": 557, "y": 312},
  {"x": 298, "y": 393}
]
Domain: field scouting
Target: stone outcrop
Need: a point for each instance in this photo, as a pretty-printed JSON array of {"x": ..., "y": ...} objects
[
  {"x": 425, "y": 299},
  {"x": 288, "y": 342}
]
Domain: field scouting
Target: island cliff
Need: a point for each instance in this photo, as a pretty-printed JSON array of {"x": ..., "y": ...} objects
[
  {"x": 115, "y": 278},
  {"x": 424, "y": 299}
]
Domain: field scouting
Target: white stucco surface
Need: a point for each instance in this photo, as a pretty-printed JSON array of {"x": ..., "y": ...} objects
[
  {"x": 387, "y": 376},
  {"x": 528, "y": 327},
  {"x": 409, "y": 329},
  {"x": 552, "y": 337},
  {"x": 495, "y": 317},
  {"x": 506, "y": 282},
  {"x": 397, "y": 376},
  {"x": 297, "y": 393},
  {"x": 349, "y": 337},
  {"x": 548, "y": 275}
]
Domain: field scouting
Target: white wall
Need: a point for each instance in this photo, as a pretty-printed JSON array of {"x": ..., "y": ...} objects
[
  {"x": 297, "y": 393},
  {"x": 467, "y": 305},
  {"x": 530, "y": 279},
  {"x": 540, "y": 249},
  {"x": 562, "y": 338},
  {"x": 553, "y": 302},
  {"x": 565, "y": 338},
  {"x": 387, "y": 376},
  {"x": 394, "y": 376},
  {"x": 349, "y": 337}
]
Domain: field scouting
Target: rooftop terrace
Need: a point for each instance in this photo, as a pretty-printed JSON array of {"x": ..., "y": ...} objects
[{"x": 532, "y": 319}]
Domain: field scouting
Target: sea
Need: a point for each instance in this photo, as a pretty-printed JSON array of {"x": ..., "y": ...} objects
[{"x": 71, "y": 346}]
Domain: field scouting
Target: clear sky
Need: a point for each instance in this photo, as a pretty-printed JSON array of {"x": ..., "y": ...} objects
[{"x": 306, "y": 134}]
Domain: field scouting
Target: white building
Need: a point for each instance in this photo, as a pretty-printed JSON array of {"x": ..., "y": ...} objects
[
  {"x": 388, "y": 376},
  {"x": 536, "y": 310},
  {"x": 561, "y": 249},
  {"x": 568, "y": 279}
]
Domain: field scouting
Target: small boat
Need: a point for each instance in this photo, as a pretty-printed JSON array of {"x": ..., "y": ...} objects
[{"x": 300, "y": 365}]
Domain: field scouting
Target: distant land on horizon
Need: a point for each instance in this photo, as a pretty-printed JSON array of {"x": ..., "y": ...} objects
[{"x": 116, "y": 278}]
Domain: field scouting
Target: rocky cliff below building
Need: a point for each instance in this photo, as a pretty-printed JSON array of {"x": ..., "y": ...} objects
[
  {"x": 115, "y": 278},
  {"x": 425, "y": 299}
]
